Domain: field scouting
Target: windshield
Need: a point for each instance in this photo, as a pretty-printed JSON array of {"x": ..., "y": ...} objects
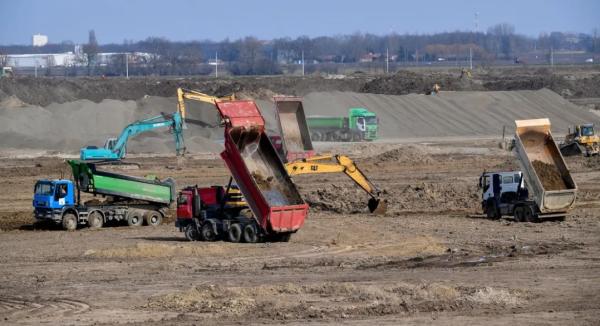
[
  {"x": 587, "y": 131},
  {"x": 44, "y": 189},
  {"x": 371, "y": 120}
]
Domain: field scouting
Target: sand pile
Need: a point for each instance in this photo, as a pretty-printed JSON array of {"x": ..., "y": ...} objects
[
  {"x": 69, "y": 126},
  {"x": 452, "y": 114}
]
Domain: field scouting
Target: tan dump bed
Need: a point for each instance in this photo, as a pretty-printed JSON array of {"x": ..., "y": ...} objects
[
  {"x": 547, "y": 176},
  {"x": 294, "y": 130}
]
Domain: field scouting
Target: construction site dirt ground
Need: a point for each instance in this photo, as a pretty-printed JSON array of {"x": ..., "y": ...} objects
[{"x": 429, "y": 260}]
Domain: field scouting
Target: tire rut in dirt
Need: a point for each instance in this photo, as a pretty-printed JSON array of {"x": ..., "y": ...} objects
[{"x": 14, "y": 308}]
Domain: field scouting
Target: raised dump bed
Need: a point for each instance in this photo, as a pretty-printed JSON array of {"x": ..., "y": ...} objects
[
  {"x": 295, "y": 135},
  {"x": 258, "y": 171},
  {"x": 547, "y": 176}
]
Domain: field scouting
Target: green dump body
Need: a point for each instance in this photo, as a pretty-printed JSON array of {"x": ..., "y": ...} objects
[
  {"x": 90, "y": 180},
  {"x": 327, "y": 122}
]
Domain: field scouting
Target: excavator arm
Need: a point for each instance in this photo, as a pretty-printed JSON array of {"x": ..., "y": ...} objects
[
  {"x": 188, "y": 94},
  {"x": 116, "y": 150},
  {"x": 340, "y": 164}
]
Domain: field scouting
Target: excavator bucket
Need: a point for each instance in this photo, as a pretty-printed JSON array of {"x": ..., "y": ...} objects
[{"x": 377, "y": 206}]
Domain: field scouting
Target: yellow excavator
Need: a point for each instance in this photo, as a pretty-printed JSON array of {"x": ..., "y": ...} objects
[{"x": 340, "y": 164}]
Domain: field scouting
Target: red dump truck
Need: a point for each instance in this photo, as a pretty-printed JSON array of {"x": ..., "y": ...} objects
[{"x": 275, "y": 209}]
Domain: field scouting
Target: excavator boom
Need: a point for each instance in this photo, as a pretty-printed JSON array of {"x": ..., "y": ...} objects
[
  {"x": 116, "y": 149},
  {"x": 340, "y": 164},
  {"x": 183, "y": 94}
]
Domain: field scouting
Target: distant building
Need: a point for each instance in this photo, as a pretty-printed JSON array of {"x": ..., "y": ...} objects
[{"x": 39, "y": 40}]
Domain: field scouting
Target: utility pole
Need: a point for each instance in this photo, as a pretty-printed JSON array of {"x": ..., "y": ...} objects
[
  {"x": 216, "y": 64},
  {"x": 127, "y": 65},
  {"x": 387, "y": 60},
  {"x": 552, "y": 57},
  {"x": 470, "y": 58},
  {"x": 302, "y": 62},
  {"x": 417, "y": 56}
]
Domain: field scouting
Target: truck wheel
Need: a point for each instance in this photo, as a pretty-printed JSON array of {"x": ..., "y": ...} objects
[
  {"x": 153, "y": 218},
  {"x": 518, "y": 214},
  {"x": 235, "y": 233},
  {"x": 528, "y": 215},
  {"x": 95, "y": 220},
  {"x": 191, "y": 232},
  {"x": 492, "y": 210},
  {"x": 69, "y": 222},
  {"x": 250, "y": 235},
  {"x": 207, "y": 232},
  {"x": 356, "y": 137},
  {"x": 134, "y": 218}
]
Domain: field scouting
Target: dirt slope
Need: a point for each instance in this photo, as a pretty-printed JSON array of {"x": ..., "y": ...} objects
[{"x": 452, "y": 113}]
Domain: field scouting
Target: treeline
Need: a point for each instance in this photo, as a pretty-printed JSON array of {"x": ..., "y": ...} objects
[{"x": 251, "y": 56}]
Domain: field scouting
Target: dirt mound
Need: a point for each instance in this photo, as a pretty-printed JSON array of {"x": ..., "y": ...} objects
[
  {"x": 12, "y": 102},
  {"x": 549, "y": 175},
  {"x": 452, "y": 114},
  {"x": 67, "y": 127},
  {"x": 406, "y": 82},
  {"x": 413, "y": 198},
  {"x": 403, "y": 154},
  {"x": 333, "y": 300}
]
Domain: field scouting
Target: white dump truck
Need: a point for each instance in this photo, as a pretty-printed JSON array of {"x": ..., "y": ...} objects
[{"x": 543, "y": 188}]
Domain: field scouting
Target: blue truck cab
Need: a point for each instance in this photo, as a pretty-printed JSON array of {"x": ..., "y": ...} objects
[{"x": 52, "y": 198}]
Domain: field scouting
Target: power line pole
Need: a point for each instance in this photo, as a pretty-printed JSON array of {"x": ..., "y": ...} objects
[
  {"x": 387, "y": 60},
  {"x": 216, "y": 64},
  {"x": 470, "y": 58},
  {"x": 302, "y": 62},
  {"x": 127, "y": 65}
]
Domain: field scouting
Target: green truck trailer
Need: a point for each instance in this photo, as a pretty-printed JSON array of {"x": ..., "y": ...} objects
[
  {"x": 131, "y": 199},
  {"x": 360, "y": 125}
]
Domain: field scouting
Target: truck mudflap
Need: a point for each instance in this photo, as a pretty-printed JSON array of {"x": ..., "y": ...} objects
[
  {"x": 295, "y": 135},
  {"x": 258, "y": 170}
]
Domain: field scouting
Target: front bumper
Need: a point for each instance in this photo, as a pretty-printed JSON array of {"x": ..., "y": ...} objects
[{"x": 47, "y": 214}]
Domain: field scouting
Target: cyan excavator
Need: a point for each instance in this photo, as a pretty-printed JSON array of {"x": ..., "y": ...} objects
[{"x": 115, "y": 149}]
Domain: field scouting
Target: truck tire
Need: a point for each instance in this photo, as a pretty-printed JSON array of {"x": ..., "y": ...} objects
[
  {"x": 518, "y": 214},
  {"x": 153, "y": 218},
  {"x": 207, "y": 232},
  {"x": 356, "y": 137},
  {"x": 69, "y": 222},
  {"x": 191, "y": 232},
  {"x": 529, "y": 215},
  {"x": 95, "y": 220},
  {"x": 249, "y": 234},
  {"x": 492, "y": 211},
  {"x": 235, "y": 232},
  {"x": 134, "y": 218}
]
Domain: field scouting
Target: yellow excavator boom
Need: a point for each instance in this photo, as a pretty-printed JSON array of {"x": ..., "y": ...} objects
[
  {"x": 337, "y": 164},
  {"x": 183, "y": 94}
]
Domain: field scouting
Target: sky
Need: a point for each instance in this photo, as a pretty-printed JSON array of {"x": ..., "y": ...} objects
[{"x": 184, "y": 20}]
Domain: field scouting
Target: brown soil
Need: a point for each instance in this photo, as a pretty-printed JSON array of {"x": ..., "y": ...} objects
[
  {"x": 549, "y": 176},
  {"x": 427, "y": 261}
]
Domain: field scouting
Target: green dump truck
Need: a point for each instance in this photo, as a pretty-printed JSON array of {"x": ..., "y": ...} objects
[
  {"x": 360, "y": 125},
  {"x": 128, "y": 198}
]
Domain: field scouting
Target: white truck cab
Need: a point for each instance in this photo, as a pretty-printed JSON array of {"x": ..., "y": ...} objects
[{"x": 509, "y": 182}]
